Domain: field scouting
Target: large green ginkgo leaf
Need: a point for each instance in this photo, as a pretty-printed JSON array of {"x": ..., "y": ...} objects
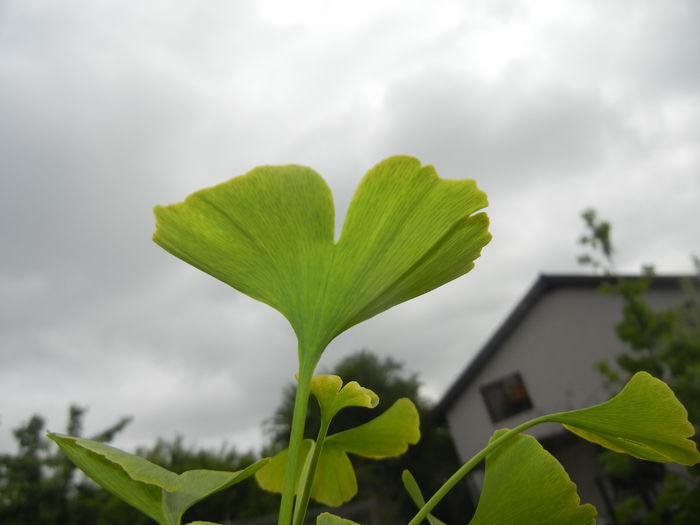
[
  {"x": 525, "y": 485},
  {"x": 269, "y": 234},
  {"x": 645, "y": 420},
  {"x": 387, "y": 435}
]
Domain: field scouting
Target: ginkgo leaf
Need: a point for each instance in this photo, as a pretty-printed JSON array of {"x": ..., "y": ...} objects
[
  {"x": 645, "y": 420},
  {"x": 335, "y": 482},
  {"x": 160, "y": 494},
  {"x": 269, "y": 234},
  {"x": 387, "y": 435},
  {"x": 271, "y": 476},
  {"x": 411, "y": 486},
  {"x": 332, "y": 396},
  {"x": 407, "y": 231},
  {"x": 330, "y": 519},
  {"x": 525, "y": 485}
]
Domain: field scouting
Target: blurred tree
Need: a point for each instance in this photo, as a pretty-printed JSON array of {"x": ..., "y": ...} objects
[
  {"x": 597, "y": 238},
  {"x": 37, "y": 486},
  {"x": 665, "y": 343},
  {"x": 43, "y": 487},
  {"x": 245, "y": 500},
  {"x": 431, "y": 461}
]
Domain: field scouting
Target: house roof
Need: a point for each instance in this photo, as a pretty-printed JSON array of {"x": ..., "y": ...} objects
[{"x": 544, "y": 284}]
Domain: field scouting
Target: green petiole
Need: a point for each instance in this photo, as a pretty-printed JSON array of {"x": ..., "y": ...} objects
[
  {"x": 309, "y": 473},
  {"x": 301, "y": 402}
]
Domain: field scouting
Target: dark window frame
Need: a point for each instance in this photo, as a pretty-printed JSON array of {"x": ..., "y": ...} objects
[{"x": 506, "y": 397}]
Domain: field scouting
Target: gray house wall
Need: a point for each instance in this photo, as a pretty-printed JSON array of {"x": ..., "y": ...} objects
[{"x": 552, "y": 339}]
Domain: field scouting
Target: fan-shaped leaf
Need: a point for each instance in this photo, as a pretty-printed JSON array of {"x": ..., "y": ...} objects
[
  {"x": 645, "y": 420},
  {"x": 160, "y": 494},
  {"x": 387, "y": 435},
  {"x": 269, "y": 234},
  {"x": 525, "y": 485},
  {"x": 332, "y": 398}
]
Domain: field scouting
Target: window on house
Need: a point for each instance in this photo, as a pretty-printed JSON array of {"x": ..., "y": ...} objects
[{"x": 506, "y": 397}]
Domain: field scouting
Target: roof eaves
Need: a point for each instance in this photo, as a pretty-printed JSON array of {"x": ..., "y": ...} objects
[{"x": 543, "y": 284}]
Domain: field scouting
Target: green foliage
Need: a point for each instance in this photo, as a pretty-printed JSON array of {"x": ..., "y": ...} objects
[
  {"x": 269, "y": 234},
  {"x": 37, "y": 486},
  {"x": 665, "y": 343},
  {"x": 325, "y": 471},
  {"x": 677, "y": 504},
  {"x": 385, "y": 377},
  {"x": 157, "y": 492},
  {"x": 598, "y": 239},
  {"x": 629, "y": 510},
  {"x": 524, "y": 483},
  {"x": 433, "y": 459},
  {"x": 644, "y": 420},
  {"x": 23, "y": 483},
  {"x": 387, "y": 435},
  {"x": 619, "y": 424},
  {"x": 329, "y": 519},
  {"x": 247, "y": 500},
  {"x": 332, "y": 396},
  {"x": 411, "y": 486}
]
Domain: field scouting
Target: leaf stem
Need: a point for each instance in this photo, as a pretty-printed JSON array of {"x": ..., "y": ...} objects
[
  {"x": 469, "y": 465},
  {"x": 309, "y": 474},
  {"x": 301, "y": 401}
]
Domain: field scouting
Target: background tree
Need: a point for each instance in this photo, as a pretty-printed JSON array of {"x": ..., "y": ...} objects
[
  {"x": 431, "y": 461},
  {"x": 245, "y": 500},
  {"x": 665, "y": 343},
  {"x": 40, "y": 485}
]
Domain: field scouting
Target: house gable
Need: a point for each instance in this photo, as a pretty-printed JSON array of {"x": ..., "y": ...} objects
[{"x": 551, "y": 340}]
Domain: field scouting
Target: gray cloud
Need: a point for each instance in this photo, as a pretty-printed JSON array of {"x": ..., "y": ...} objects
[{"x": 108, "y": 111}]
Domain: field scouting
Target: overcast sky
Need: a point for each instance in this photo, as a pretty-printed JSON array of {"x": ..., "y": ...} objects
[{"x": 110, "y": 107}]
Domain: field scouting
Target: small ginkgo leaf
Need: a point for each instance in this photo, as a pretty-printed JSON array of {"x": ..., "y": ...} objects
[
  {"x": 644, "y": 420},
  {"x": 335, "y": 482},
  {"x": 387, "y": 435},
  {"x": 269, "y": 234},
  {"x": 330, "y": 519},
  {"x": 160, "y": 494},
  {"x": 411, "y": 486},
  {"x": 525, "y": 485},
  {"x": 332, "y": 398}
]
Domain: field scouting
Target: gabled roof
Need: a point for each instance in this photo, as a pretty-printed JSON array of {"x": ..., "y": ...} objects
[{"x": 543, "y": 285}]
